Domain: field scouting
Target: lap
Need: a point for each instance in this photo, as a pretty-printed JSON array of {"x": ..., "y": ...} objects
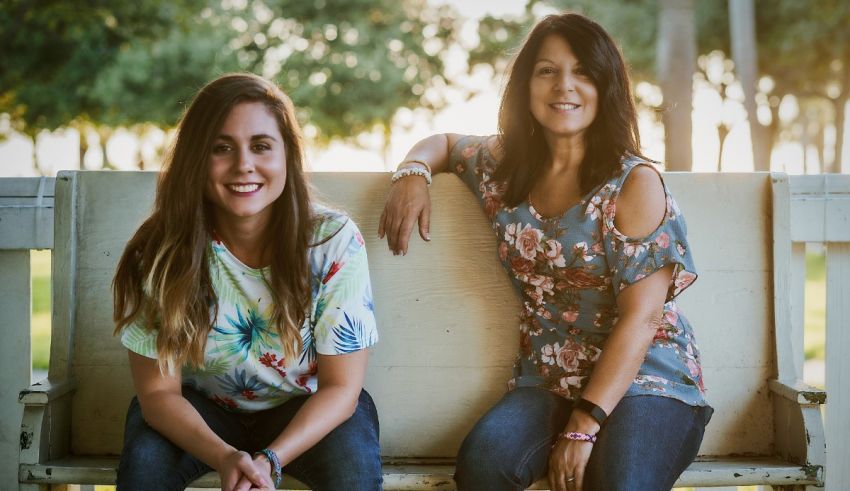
[{"x": 644, "y": 436}]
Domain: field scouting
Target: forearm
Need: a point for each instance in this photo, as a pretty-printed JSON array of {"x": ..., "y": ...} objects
[
  {"x": 616, "y": 368},
  {"x": 434, "y": 151},
  {"x": 328, "y": 408},
  {"x": 175, "y": 418}
]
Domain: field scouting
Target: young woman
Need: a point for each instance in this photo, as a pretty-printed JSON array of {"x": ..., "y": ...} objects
[
  {"x": 246, "y": 310},
  {"x": 608, "y": 390}
]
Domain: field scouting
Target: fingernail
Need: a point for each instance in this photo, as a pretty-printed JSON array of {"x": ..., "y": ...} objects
[{"x": 428, "y": 237}]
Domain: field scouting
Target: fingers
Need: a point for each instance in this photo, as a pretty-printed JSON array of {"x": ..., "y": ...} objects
[
  {"x": 579, "y": 479},
  {"x": 425, "y": 224},
  {"x": 381, "y": 223}
]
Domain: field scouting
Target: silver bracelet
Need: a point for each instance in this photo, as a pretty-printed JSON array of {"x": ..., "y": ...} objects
[{"x": 412, "y": 171}]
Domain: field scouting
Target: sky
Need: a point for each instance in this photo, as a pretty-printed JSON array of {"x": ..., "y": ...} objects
[{"x": 477, "y": 115}]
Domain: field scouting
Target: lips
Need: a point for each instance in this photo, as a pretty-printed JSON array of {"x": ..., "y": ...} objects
[
  {"x": 565, "y": 106},
  {"x": 243, "y": 188}
]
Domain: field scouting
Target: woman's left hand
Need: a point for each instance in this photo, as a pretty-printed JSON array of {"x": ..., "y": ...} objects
[
  {"x": 263, "y": 471},
  {"x": 567, "y": 462}
]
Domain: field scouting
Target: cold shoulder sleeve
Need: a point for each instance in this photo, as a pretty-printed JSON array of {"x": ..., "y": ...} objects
[{"x": 631, "y": 259}]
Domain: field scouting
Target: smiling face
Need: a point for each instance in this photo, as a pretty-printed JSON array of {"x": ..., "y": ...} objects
[
  {"x": 562, "y": 97},
  {"x": 247, "y": 168}
]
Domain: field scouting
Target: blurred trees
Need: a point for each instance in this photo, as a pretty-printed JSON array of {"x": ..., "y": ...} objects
[
  {"x": 347, "y": 64},
  {"x": 803, "y": 51}
]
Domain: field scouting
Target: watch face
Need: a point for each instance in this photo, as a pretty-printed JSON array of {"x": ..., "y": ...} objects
[{"x": 595, "y": 411}]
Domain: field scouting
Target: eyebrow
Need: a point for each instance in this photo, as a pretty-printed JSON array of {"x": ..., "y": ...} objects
[{"x": 261, "y": 136}]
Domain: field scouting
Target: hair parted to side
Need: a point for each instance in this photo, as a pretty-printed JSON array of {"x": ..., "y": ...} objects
[
  {"x": 613, "y": 132},
  {"x": 163, "y": 279}
]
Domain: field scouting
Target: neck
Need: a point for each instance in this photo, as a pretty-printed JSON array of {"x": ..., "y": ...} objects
[
  {"x": 245, "y": 239},
  {"x": 566, "y": 154}
]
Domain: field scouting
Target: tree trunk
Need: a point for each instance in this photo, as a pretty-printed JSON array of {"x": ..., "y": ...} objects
[
  {"x": 105, "y": 134},
  {"x": 676, "y": 60},
  {"x": 84, "y": 147},
  {"x": 742, "y": 24},
  {"x": 840, "y": 123}
]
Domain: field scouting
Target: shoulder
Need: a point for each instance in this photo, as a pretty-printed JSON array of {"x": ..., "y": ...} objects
[
  {"x": 642, "y": 200},
  {"x": 327, "y": 223},
  {"x": 466, "y": 146}
]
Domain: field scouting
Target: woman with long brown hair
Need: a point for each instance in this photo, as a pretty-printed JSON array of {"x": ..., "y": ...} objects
[
  {"x": 246, "y": 310},
  {"x": 608, "y": 391}
]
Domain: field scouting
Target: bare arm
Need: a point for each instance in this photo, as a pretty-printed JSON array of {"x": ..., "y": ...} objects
[
  {"x": 166, "y": 410},
  {"x": 640, "y": 209},
  {"x": 409, "y": 200}
]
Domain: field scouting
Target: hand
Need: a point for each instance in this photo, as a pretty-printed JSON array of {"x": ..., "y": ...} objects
[
  {"x": 265, "y": 470},
  {"x": 239, "y": 472},
  {"x": 407, "y": 202},
  {"x": 568, "y": 459}
]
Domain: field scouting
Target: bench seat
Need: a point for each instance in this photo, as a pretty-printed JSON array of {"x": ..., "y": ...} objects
[{"x": 410, "y": 474}]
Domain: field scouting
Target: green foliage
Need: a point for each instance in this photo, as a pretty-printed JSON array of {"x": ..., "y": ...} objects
[{"x": 347, "y": 64}]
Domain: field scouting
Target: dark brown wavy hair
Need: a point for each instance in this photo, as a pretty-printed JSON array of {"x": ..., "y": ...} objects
[
  {"x": 163, "y": 279},
  {"x": 613, "y": 133}
]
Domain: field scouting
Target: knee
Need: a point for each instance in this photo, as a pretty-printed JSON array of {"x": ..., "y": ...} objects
[{"x": 485, "y": 461}]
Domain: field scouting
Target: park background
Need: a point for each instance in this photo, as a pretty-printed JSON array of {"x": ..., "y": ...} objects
[{"x": 722, "y": 86}]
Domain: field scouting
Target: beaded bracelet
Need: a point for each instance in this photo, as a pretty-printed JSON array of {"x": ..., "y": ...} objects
[
  {"x": 416, "y": 161},
  {"x": 576, "y": 436},
  {"x": 276, "y": 472},
  {"x": 411, "y": 171}
]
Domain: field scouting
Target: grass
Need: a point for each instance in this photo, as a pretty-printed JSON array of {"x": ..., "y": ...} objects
[{"x": 40, "y": 332}]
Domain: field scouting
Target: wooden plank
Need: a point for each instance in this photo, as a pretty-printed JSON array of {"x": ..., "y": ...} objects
[
  {"x": 27, "y": 187},
  {"x": 64, "y": 277},
  {"x": 15, "y": 354},
  {"x": 787, "y": 368},
  {"x": 838, "y": 365},
  {"x": 820, "y": 208},
  {"x": 409, "y": 476},
  {"x": 26, "y": 213}
]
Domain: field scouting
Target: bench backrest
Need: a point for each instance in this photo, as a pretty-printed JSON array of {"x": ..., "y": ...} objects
[{"x": 446, "y": 312}]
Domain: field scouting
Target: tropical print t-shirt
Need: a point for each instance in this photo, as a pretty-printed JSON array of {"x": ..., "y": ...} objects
[
  {"x": 244, "y": 367},
  {"x": 568, "y": 271}
]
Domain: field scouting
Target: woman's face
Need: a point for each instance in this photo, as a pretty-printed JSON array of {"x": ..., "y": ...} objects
[
  {"x": 247, "y": 168},
  {"x": 562, "y": 97}
]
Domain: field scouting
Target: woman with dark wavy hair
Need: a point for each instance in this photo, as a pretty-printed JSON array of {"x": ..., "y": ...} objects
[
  {"x": 608, "y": 390},
  {"x": 246, "y": 310}
]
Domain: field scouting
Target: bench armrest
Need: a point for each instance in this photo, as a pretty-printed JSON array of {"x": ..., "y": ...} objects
[
  {"x": 46, "y": 423},
  {"x": 797, "y": 391},
  {"x": 798, "y": 426},
  {"x": 43, "y": 392}
]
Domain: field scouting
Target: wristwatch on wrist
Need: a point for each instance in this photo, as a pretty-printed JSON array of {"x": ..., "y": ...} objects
[{"x": 592, "y": 409}]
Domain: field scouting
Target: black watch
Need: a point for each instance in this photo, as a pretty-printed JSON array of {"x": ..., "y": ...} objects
[{"x": 592, "y": 409}]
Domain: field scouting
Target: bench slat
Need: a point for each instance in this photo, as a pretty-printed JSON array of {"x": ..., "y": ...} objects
[{"x": 401, "y": 476}]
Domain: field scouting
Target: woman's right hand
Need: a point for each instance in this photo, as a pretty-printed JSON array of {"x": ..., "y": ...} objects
[
  {"x": 407, "y": 203},
  {"x": 238, "y": 467}
]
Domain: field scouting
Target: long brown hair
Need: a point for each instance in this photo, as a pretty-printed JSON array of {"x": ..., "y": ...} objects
[
  {"x": 613, "y": 132},
  {"x": 163, "y": 278}
]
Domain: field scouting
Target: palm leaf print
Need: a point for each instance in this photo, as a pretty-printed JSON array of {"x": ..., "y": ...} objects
[
  {"x": 308, "y": 346},
  {"x": 245, "y": 334},
  {"x": 240, "y": 385},
  {"x": 349, "y": 337},
  {"x": 140, "y": 341}
]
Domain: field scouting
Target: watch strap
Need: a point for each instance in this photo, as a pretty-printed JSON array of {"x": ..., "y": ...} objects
[{"x": 592, "y": 409}]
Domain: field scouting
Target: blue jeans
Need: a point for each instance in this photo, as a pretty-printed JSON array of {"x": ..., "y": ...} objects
[
  {"x": 644, "y": 445},
  {"x": 347, "y": 458}
]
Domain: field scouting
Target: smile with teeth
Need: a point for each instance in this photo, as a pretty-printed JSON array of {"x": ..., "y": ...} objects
[
  {"x": 243, "y": 188},
  {"x": 565, "y": 106}
]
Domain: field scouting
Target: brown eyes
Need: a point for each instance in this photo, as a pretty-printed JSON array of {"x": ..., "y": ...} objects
[{"x": 223, "y": 148}]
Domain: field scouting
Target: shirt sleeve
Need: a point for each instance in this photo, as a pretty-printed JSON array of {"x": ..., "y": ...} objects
[
  {"x": 470, "y": 159},
  {"x": 136, "y": 338},
  {"x": 631, "y": 259},
  {"x": 344, "y": 317}
]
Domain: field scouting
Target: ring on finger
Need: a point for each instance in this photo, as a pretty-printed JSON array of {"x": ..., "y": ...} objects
[{"x": 571, "y": 479}]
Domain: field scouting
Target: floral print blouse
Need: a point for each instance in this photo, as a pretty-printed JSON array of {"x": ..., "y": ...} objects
[
  {"x": 568, "y": 271},
  {"x": 244, "y": 367}
]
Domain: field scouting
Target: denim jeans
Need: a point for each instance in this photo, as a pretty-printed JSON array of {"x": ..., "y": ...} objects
[
  {"x": 645, "y": 444},
  {"x": 348, "y": 458}
]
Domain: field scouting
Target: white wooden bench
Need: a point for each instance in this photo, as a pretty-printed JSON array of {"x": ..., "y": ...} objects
[{"x": 449, "y": 333}]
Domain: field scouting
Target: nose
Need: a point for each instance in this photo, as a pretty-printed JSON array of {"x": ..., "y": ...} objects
[
  {"x": 566, "y": 82},
  {"x": 245, "y": 162}
]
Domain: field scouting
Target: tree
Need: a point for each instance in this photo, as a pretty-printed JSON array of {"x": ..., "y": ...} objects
[{"x": 347, "y": 64}]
